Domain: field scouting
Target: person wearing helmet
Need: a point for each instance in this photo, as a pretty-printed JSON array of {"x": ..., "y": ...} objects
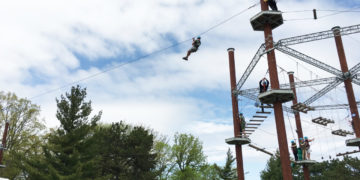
[
  {"x": 307, "y": 146},
  {"x": 242, "y": 124},
  {"x": 271, "y": 4},
  {"x": 303, "y": 148},
  {"x": 294, "y": 149},
  {"x": 263, "y": 85},
  {"x": 195, "y": 46}
]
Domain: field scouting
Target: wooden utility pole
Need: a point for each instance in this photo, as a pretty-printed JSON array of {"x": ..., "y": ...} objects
[
  {"x": 236, "y": 119},
  {"x": 298, "y": 121},
  {"x": 278, "y": 111}
]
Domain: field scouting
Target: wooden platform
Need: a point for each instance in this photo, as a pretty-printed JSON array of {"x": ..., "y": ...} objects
[
  {"x": 276, "y": 95},
  {"x": 322, "y": 121},
  {"x": 274, "y": 18},
  {"x": 238, "y": 140},
  {"x": 301, "y": 107},
  {"x": 353, "y": 142},
  {"x": 341, "y": 132},
  {"x": 305, "y": 162}
]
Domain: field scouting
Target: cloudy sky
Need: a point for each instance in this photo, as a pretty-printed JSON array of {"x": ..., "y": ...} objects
[{"x": 48, "y": 45}]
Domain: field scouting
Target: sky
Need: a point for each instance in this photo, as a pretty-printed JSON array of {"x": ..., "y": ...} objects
[{"x": 128, "y": 55}]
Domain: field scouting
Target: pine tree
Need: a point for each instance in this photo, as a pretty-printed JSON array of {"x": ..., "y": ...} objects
[{"x": 70, "y": 149}]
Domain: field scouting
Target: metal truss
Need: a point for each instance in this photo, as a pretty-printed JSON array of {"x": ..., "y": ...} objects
[
  {"x": 318, "y": 36},
  {"x": 335, "y": 106},
  {"x": 298, "y": 84},
  {"x": 323, "y": 91},
  {"x": 310, "y": 60},
  {"x": 255, "y": 98},
  {"x": 251, "y": 66}
]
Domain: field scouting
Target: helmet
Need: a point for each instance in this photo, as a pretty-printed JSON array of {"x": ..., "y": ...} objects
[
  {"x": 306, "y": 137},
  {"x": 292, "y": 141},
  {"x": 241, "y": 113},
  {"x": 198, "y": 37},
  {"x": 300, "y": 138}
]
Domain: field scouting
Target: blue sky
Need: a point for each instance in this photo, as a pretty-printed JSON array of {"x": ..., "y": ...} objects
[{"x": 48, "y": 44}]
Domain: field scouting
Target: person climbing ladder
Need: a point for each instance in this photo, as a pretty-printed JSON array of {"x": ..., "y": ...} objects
[{"x": 195, "y": 46}]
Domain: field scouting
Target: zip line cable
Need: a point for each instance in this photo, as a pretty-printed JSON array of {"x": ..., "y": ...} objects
[{"x": 144, "y": 56}]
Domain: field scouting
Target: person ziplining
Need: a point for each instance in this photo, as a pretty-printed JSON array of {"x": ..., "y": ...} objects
[
  {"x": 272, "y": 4},
  {"x": 195, "y": 46}
]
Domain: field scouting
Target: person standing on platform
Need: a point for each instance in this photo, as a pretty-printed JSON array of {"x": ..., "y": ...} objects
[
  {"x": 294, "y": 149},
  {"x": 271, "y": 4},
  {"x": 307, "y": 146},
  {"x": 303, "y": 148},
  {"x": 263, "y": 85}
]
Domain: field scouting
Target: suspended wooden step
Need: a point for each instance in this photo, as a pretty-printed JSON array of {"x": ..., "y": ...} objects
[
  {"x": 248, "y": 127},
  {"x": 266, "y": 106},
  {"x": 347, "y": 153},
  {"x": 341, "y": 132},
  {"x": 305, "y": 162},
  {"x": 256, "y": 120},
  {"x": 238, "y": 140},
  {"x": 261, "y": 149},
  {"x": 254, "y": 124},
  {"x": 322, "y": 121},
  {"x": 249, "y": 130},
  {"x": 274, "y": 18},
  {"x": 263, "y": 112},
  {"x": 302, "y": 107},
  {"x": 259, "y": 116},
  {"x": 353, "y": 142},
  {"x": 276, "y": 95}
]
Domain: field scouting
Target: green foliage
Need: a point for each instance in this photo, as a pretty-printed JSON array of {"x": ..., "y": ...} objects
[
  {"x": 164, "y": 159},
  {"x": 227, "y": 172},
  {"x": 70, "y": 150},
  {"x": 188, "y": 155},
  {"x": 126, "y": 152},
  {"x": 348, "y": 168},
  {"x": 23, "y": 133}
]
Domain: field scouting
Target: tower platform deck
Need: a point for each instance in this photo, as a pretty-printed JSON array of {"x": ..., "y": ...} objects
[
  {"x": 274, "y": 18},
  {"x": 276, "y": 95},
  {"x": 238, "y": 140}
]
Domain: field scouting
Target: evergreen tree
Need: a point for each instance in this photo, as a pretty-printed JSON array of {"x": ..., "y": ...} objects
[
  {"x": 227, "y": 172},
  {"x": 70, "y": 149}
]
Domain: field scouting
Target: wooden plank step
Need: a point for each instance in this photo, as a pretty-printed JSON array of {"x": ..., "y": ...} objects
[
  {"x": 255, "y": 124},
  {"x": 263, "y": 112},
  {"x": 256, "y": 120},
  {"x": 247, "y": 127},
  {"x": 260, "y": 116},
  {"x": 249, "y": 130}
]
